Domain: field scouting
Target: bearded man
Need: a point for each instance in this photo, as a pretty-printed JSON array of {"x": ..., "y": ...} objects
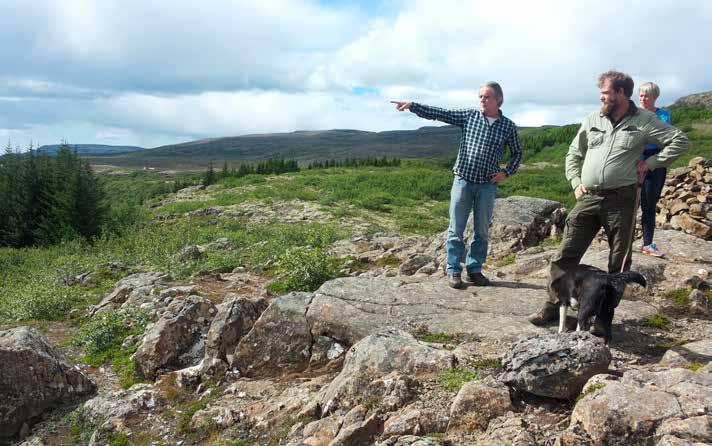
[{"x": 603, "y": 165}]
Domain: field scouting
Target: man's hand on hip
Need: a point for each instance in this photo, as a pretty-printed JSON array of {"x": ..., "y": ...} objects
[
  {"x": 580, "y": 191},
  {"x": 499, "y": 176},
  {"x": 642, "y": 170},
  {"x": 402, "y": 105}
]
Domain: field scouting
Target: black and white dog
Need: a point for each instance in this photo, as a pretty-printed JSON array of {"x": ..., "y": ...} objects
[{"x": 593, "y": 292}]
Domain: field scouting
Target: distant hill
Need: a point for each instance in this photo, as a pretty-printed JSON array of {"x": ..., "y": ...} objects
[
  {"x": 697, "y": 100},
  {"x": 301, "y": 145},
  {"x": 92, "y": 149}
]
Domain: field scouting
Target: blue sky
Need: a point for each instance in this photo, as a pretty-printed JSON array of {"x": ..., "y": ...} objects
[{"x": 161, "y": 72}]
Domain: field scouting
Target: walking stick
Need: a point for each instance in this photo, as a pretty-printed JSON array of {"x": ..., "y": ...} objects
[{"x": 629, "y": 250}]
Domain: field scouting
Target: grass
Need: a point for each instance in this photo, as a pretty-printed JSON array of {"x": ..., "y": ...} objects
[
  {"x": 589, "y": 390},
  {"x": 679, "y": 297},
  {"x": 388, "y": 261},
  {"x": 454, "y": 378},
  {"x": 657, "y": 321},
  {"x": 694, "y": 366},
  {"x": 422, "y": 334},
  {"x": 507, "y": 260},
  {"x": 479, "y": 364},
  {"x": 43, "y": 295}
]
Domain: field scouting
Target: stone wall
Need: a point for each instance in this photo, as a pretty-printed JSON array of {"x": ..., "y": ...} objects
[{"x": 685, "y": 203}]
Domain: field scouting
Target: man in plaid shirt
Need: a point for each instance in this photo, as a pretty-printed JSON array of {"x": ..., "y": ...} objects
[{"x": 485, "y": 133}]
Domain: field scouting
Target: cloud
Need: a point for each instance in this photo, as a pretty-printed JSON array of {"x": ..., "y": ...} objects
[{"x": 152, "y": 73}]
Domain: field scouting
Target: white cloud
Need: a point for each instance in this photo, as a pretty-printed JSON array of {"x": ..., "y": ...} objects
[{"x": 151, "y": 73}]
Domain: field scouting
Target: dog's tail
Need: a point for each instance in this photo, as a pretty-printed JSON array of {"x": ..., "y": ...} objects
[{"x": 629, "y": 277}]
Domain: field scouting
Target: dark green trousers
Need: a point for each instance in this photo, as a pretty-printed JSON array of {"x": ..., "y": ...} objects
[{"x": 612, "y": 209}]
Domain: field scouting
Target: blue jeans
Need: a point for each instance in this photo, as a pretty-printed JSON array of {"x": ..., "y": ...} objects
[
  {"x": 649, "y": 196},
  {"x": 466, "y": 197}
]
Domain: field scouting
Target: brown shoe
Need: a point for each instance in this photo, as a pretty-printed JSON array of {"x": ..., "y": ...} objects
[
  {"x": 548, "y": 313},
  {"x": 455, "y": 281},
  {"x": 478, "y": 279}
]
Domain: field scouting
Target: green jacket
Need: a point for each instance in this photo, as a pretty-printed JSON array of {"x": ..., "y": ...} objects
[{"x": 602, "y": 156}]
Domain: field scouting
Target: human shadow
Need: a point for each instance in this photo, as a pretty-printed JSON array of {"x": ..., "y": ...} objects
[{"x": 513, "y": 285}]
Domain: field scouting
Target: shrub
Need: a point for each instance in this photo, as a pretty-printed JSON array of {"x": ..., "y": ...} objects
[
  {"x": 305, "y": 269},
  {"x": 453, "y": 379},
  {"x": 102, "y": 336},
  {"x": 657, "y": 321}
]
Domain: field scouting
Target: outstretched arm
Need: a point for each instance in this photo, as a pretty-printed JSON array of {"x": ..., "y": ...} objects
[{"x": 453, "y": 117}]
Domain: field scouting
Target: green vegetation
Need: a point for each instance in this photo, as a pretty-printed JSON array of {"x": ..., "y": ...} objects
[
  {"x": 479, "y": 364},
  {"x": 657, "y": 321},
  {"x": 589, "y": 390},
  {"x": 694, "y": 366},
  {"x": 454, "y": 378},
  {"x": 507, "y": 260},
  {"x": 306, "y": 268},
  {"x": 679, "y": 297},
  {"x": 46, "y": 200},
  {"x": 423, "y": 334}
]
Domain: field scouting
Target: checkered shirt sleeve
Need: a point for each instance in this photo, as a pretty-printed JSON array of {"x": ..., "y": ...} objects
[{"x": 482, "y": 145}]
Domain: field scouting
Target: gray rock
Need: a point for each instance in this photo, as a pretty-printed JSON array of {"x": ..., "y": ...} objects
[
  {"x": 234, "y": 319},
  {"x": 359, "y": 434},
  {"x": 477, "y": 403},
  {"x": 280, "y": 340},
  {"x": 682, "y": 355},
  {"x": 190, "y": 252},
  {"x": 122, "y": 404},
  {"x": 414, "y": 263},
  {"x": 411, "y": 440},
  {"x": 34, "y": 378},
  {"x": 521, "y": 222},
  {"x": 375, "y": 357},
  {"x": 176, "y": 340},
  {"x": 693, "y": 429},
  {"x": 631, "y": 409},
  {"x": 348, "y": 309},
  {"x": 555, "y": 366},
  {"x": 131, "y": 289}
]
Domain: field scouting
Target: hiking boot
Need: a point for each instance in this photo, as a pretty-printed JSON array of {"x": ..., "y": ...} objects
[
  {"x": 548, "y": 313},
  {"x": 478, "y": 279},
  {"x": 455, "y": 281},
  {"x": 652, "y": 250},
  {"x": 597, "y": 329}
]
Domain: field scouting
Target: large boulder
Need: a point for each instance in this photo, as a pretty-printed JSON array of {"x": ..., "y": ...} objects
[
  {"x": 477, "y": 403},
  {"x": 177, "y": 339},
  {"x": 280, "y": 340},
  {"x": 642, "y": 408},
  {"x": 350, "y": 308},
  {"x": 682, "y": 355},
  {"x": 134, "y": 287},
  {"x": 34, "y": 377},
  {"x": 234, "y": 319},
  {"x": 556, "y": 365},
  {"x": 375, "y": 357}
]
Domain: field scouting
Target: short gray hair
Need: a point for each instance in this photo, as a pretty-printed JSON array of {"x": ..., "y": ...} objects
[
  {"x": 651, "y": 88},
  {"x": 497, "y": 91}
]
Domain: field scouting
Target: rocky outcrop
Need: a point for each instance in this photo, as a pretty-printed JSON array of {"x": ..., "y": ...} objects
[
  {"x": 685, "y": 202},
  {"x": 699, "y": 352},
  {"x": 34, "y": 377},
  {"x": 477, "y": 403},
  {"x": 641, "y": 408},
  {"x": 280, "y": 340},
  {"x": 234, "y": 319},
  {"x": 372, "y": 359},
  {"x": 697, "y": 100},
  {"x": 135, "y": 288},
  {"x": 555, "y": 366},
  {"x": 177, "y": 339}
]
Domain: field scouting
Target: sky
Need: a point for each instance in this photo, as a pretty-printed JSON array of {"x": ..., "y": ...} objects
[{"x": 150, "y": 73}]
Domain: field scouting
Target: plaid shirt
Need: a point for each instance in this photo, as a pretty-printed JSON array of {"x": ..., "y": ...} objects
[{"x": 482, "y": 144}]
